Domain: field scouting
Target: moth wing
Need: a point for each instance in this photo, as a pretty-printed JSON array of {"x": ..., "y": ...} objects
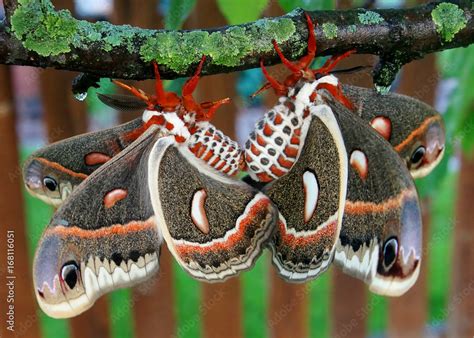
[
  {"x": 125, "y": 103},
  {"x": 106, "y": 232},
  {"x": 382, "y": 204},
  {"x": 310, "y": 199},
  {"x": 407, "y": 123},
  {"x": 215, "y": 226},
  {"x": 68, "y": 162}
]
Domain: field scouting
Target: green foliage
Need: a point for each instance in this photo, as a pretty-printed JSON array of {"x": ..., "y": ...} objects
[
  {"x": 319, "y": 292},
  {"x": 439, "y": 248},
  {"x": 241, "y": 11},
  {"x": 120, "y": 313},
  {"x": 178, "y": 12},
  {"x": 188, "y": 303},
  {"x": 449, "y": 19},
  {"x": 459, "y": 63},
  {"x": 308, "y": 5},
  {"x": 255, "y": 298},
  {"x": 375, "y": 312}
]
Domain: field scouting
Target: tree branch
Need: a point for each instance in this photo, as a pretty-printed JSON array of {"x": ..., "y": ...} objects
[{"x": 37, "y": 35}]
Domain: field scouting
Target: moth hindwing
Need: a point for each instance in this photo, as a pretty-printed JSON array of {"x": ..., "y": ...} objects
[
  {"x": 310, "y": 199},
  {"x": 215, "y": 226},
  {"x": 103, "y": 237}
]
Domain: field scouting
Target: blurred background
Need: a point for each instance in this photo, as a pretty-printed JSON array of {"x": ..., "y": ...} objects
[{"x": 37, "y": 107}]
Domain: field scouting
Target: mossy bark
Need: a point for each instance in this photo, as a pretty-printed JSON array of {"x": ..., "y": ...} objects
[{"x": 36, "y": 34}]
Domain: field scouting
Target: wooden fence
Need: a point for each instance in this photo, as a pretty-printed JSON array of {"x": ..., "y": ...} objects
[{"x": 339, "y": 306}]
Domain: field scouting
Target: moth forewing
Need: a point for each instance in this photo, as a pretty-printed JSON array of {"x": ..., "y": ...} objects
[
  {"x": 53, "y": 172},
  {"x": 410, "y": 126},
  {"x": 380, "y": 239},
  {"x": 103, "y": 237}
]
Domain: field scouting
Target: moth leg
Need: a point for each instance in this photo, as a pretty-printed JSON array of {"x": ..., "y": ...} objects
[
  {"x": 306, "y": 61},
  {"x": 332, "y": 62},
  {"x": 161, "y": 98},
  {"x": 279, "y": 88},
  {"x": 336, "y": 92},
  {"x": 159, "y": 90},
  {"x": 299, "y": 70},
  {"x": 211, "y": 109},
  {"x": 137, "y": 92},
  {"x": 294, "y": 68},
  {"x": 191, "y": 84}
]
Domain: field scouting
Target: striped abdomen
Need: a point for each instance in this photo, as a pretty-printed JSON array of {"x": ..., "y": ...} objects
[
  {"x": 216, "y": 149},
  {"x": 273, "y": 146}
]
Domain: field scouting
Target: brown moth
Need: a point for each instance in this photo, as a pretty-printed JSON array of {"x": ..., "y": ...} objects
[
  {"x": 379, "y": 240},
  {"x": 162, "y": 186}
]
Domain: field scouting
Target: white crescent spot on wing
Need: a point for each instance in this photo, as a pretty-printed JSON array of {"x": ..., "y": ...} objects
[
  {"x": 360, "y": 164},
  {"x": 198, "y": 212},
  {"x": 311, "y": 194},
  {"x": 114, "y": 196},
  {"x": 382, "y": 125}
]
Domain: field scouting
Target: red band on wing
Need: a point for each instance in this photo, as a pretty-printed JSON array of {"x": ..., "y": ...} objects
[
  {"x": 59, "y": 167},
  {"x": 116, "y": 229},
  {"x": 328, "y": 231},
  {"x": 362, "y": 207},
  {"x": 417, "y": 132},
  {"x": 236, "y": 234}
]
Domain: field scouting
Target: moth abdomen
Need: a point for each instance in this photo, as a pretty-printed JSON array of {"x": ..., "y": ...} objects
[
  {"x": 216, "y": 149},
  {"x": 274, "y": 145}
]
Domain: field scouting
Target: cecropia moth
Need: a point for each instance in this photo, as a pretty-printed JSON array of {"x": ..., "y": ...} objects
[
  {"x": 162, "y": 186},
  {"x": 374, "y": 232}
]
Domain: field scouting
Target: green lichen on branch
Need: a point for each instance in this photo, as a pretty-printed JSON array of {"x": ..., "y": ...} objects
[
  {"x": 42, "y": 29},
  {"x": 330, "y": 30},
  {"x": 449, "y": 20},
  {"x": 35, "y": 34},
  {"x": 370, "y": 18},
  {"x": 352, "y": 28},
  {"x": 50, "y": 33},
  {"x": 178, "y": 50}
]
